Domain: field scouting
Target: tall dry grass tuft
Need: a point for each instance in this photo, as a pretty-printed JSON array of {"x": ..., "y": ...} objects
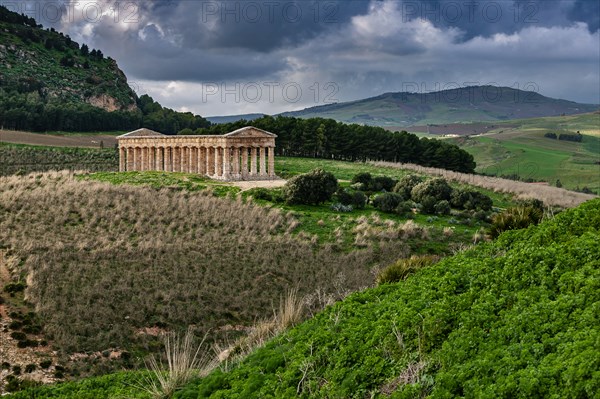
[
  {"x": 184, "y": 362},
  {"x": 291, "y": 312},
  {"x": 552, "y": 196}
]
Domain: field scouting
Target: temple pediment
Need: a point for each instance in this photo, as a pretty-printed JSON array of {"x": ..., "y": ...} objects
[
  {"x": 143, "y": 132},
  {"x": 251, "y": 132}
]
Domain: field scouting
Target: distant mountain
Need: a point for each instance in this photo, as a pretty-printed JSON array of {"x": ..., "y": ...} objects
[
  {"x": 468, "y": 104},
  {"x": 233, "y": 118}
]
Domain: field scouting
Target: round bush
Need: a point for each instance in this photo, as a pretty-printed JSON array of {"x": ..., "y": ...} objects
[
  {"x": 428, "y": 205},
  {"x": 311, "y": 188},
  {"x": 362, "y": 178},
  {"x": 437, "y": 188},
  {"x": 382, "y": 183},
  {"x": 406, "y": 184},
  {"x": 442, "y": 208},
  {"x": 344, "y": 197},
  {"x": 359, "y": 200},
  {"x": 387, "y": 202}
]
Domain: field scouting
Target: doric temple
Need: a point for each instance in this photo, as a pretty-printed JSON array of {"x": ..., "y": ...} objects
[{"x": 245, "y": 154}]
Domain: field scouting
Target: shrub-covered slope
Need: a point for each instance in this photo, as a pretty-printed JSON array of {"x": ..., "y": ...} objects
[{"x": 518, "y": 317}]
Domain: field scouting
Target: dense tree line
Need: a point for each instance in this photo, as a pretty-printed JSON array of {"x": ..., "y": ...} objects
[
  {"x": 327, "y": 138},
  {"x": 26, "y": 107}
]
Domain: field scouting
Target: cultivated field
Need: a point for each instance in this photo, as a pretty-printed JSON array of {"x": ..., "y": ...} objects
[
  {"x": 58, "y": 139},
  {"x": 520, "y": 149}
]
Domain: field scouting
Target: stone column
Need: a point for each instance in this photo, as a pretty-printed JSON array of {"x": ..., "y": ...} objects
[
  {"x": 193, "y": 159},
  {"x": 176, "y": 160},
  {"x": 263, "y": 162},
  {"x": 271, "y": 162},
  {"x": 160, "y": 159},
  {"x": 236, "y": 163},
  {"x": 201, "y": 160},
  {"x": 226, "y": 163},
  {"x": 253, "y": 161},
  {"x": 152, "y": 158},
  {"x": 142, "y": 159},
  {"x": 244, "y": 163},
  {"x": 169, "y": 159},
  {"x": 210, "y": 161},
  {"x": 122, "y": 160},
  {"x": 218, "y": 162},
  {"x": 130, "y": 159},
  {"x": 184, "y": 160}
]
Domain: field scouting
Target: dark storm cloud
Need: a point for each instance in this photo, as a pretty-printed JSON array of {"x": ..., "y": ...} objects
[{"x": 365, "y": 47}]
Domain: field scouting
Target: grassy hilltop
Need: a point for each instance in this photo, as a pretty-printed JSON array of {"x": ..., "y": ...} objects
[
  {"x": 461, "y": 105},
  {"x": 512, "y": 318}
]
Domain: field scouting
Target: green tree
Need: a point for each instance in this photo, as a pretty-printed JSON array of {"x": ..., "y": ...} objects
[{"x": 311, "y": 188}]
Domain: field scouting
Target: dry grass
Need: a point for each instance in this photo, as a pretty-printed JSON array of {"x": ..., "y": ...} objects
[
  {"x": 552, "y": 196},
  {"x": 184, "y": 362},
  {"x": 291, "y": 311},
  {"x": 103, "y": 262}
]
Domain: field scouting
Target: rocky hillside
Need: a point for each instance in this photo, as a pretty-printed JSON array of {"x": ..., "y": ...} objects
[
  {"x": 52, "y": 66},
  {"x": 50, "y": 82}
]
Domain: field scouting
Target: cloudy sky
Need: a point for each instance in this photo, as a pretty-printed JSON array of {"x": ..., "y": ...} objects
[{"x": 234, "y": 57}]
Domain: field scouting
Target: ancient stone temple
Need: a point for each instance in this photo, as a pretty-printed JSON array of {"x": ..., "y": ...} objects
[{"x": 245, "y": 154}]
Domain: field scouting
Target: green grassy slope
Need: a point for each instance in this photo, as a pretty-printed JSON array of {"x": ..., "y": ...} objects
[
  {"x": 524, "y": 151},
  {"x": 477, "y": 103},
  {"x": 515, "y": 318}
]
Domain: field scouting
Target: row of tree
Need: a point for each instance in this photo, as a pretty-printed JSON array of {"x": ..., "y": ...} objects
[
  {"x": 327, "y": 138},
  {"x": 576, "y": 137}
]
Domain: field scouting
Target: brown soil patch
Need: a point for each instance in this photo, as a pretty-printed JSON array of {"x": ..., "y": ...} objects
[{"x": 87, "y": 141}]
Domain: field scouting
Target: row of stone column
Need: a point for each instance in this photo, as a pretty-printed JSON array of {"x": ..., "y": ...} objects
[{"x": 227, "y": 163}]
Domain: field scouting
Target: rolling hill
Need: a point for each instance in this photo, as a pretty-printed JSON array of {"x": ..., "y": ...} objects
[
  {"x": 468, "y": 104},
  {"x": 519, "y": 149}
]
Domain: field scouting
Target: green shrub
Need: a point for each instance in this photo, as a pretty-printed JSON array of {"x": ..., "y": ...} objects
[
  {"x": 382, "y": 183},
  {"x": 359, "y": 200},
  {"x": 19, "y": 336},
  {"x": 30, "y": 368},
  {"x": 311, "y": 188},
  {"x": 362, "y": 178},
  {"x": 406, "y": 184},
  {"x": 478, "y": 201},
  {"x": 518, "y": 217},
  {"x": 387, "y": 202},
  {"x": 16, "y": 370},
  {"x": 46, "y": 363},
  {"x": 13, "y": 288},
  {"x": 437, "y": 188},
  {"x": 343, "y": 196},
  {"x": 428, "y": 204},
  {"x": 405, "y": 208},
  {"x": 403, "y": 268},
  {"x": 442, "y": 208}
]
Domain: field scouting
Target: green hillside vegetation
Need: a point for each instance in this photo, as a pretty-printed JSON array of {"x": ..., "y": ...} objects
[
  {"x": 515, "y": 318},
  {"x": 468, "y": 104},
  {"x": 50, "y": 82},
  {"x": 525, "y": 153}
]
